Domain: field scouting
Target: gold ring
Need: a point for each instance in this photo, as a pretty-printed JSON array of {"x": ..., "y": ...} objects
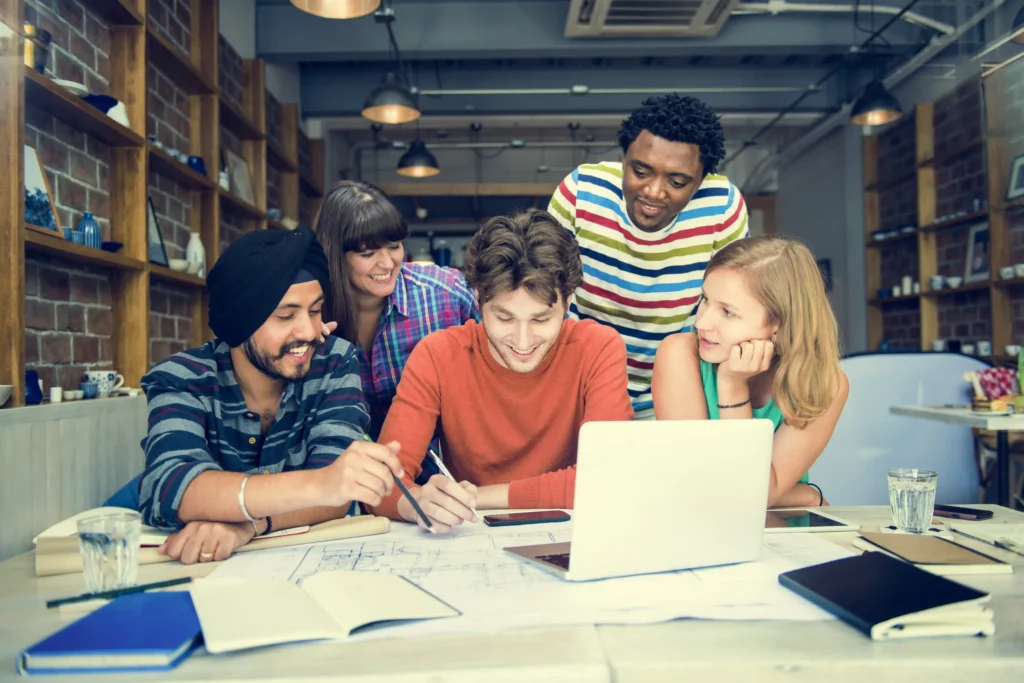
[{"x": 205, "y": 556}]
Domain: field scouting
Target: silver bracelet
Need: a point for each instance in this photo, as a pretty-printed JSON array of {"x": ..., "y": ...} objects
[{"x": 241, "y": 501}]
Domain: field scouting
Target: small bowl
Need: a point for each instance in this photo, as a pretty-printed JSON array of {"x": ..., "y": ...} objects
[
  {"x": 1018, "y": 269},
  {"x": 178, "y": 264},
  {"x": 5, "y": 393},
  {"x": 954, "y": 281},
  {"x": 1006, "y": 272},
  {"x": 1012, "y": 349},
  {"x": 74, "y": 395},
  {"x": 112, "y": 247},
  {"x": 937, "y": 282}
]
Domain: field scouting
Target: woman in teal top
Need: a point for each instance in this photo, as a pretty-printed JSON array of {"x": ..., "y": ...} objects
[{"x": 764, "y": 345}]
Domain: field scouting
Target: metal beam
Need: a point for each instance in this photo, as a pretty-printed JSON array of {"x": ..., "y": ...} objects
[
  {"x": 335, "y": 90},
  {"x": 470, "y": 29}
]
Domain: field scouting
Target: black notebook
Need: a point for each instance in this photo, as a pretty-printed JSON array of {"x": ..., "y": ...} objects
[{"x": 885, "y": 598}]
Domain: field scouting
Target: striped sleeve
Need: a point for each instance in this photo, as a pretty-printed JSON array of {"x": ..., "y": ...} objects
[
  {"x": 342, "y": 415},
  {"x": 734, "y": 226},
  {"x": 563, "y": 202},
  {"x": 176, "y": 447},
  {"x": 468, "y": 309}
]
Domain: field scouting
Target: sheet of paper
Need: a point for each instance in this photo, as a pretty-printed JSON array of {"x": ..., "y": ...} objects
[
  {"x": 990, "y": 533},
  {"x": 469, "y": 570}
]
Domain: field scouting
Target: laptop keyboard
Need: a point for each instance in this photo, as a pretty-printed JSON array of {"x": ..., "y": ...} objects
[{"x": 558, "y": 559}]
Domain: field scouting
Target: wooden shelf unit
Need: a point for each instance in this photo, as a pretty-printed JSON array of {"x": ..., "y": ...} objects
[
  {"x": 133, "y": 41},
  {"x": 995, "y": 88}
]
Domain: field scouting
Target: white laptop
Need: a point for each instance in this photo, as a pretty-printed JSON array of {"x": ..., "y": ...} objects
[{"x": 656, "y": 496}]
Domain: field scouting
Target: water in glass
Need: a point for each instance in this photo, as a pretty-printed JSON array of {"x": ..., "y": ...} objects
[
  {"x": 912, "y": 498},
  {"x": 109, "y": 545}
]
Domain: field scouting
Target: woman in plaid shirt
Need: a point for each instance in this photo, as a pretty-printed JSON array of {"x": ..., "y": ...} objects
[{"x": 381, "y": 304}]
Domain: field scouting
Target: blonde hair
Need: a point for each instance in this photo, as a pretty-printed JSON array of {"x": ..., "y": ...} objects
[{"x": 783, "y": 275}]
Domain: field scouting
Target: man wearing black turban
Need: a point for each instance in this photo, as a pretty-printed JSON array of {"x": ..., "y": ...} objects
[{"x": 263, "y": 427}]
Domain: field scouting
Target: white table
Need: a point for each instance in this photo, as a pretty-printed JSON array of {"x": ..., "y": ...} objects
[
  {"x": 687, "y": 650},
  {"x": 1002, "y": 426}
]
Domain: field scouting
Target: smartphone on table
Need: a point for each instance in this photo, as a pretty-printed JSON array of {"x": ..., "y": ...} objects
[
  {"x": 958, "y": 512},
  {"x": 538, "y": 517}
]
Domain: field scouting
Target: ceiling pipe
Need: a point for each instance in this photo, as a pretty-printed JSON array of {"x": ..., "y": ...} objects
[
  {"x": 578, "y": 90},
  {"x": 782, "y": 6},
  {"x": 755, "y": 183}
]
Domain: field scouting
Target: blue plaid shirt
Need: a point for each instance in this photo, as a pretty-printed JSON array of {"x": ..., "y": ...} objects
[{"x": 198, "y": 421}]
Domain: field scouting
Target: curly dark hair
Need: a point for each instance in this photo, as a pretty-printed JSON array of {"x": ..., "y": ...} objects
[
  {"x": 524, "y": 249},
  {"x": 678, "y": 119}
]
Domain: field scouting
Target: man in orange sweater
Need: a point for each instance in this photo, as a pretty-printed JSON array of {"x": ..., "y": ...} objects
[{"x": 508, "y": 394}]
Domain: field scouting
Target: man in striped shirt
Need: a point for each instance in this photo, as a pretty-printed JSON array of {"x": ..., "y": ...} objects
[
  {"x": 263, "y": 427},
  {"x": 647, "y": 227}
]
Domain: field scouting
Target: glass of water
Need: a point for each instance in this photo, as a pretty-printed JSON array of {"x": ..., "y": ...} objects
[
  {"x": 109, "y": 544},
  {"x": 912, "y": 498}
]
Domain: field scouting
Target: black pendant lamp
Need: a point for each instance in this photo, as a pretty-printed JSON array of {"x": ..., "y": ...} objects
[
  {"x": 391, "y": 102},
  {"x": 418, "y": 162},
  {"x": 875, "y": 106},
  {"x": 337, "y": 9}
]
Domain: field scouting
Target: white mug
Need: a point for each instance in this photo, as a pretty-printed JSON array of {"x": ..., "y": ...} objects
[
  {"x": 106, "y": 381},
  {"x": 985, "y": 348},
  {"x": 939, "y": 345}
]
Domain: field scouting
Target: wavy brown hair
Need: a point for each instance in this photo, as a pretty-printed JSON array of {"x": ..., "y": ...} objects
[
  {"x": 782, "y": 274},
  {"x": 354, "y": 216},
  {"x": 524, "y": 249}
]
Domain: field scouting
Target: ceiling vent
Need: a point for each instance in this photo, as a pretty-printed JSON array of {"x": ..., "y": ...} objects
[{"x": 647, "y": 18}]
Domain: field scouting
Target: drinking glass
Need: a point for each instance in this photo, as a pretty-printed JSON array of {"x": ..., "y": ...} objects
[
  {"x": 912, "y": 498},
  {"x": 109, "y": 544}
]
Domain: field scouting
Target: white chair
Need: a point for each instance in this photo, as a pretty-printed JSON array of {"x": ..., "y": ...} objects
[{"x": 869, "y": 440}]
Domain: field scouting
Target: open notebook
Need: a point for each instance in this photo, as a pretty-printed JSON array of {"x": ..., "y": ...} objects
[
  {"x": 885, "y": 598},
  {"x": 933, "y": 554},
  {"x": 326, "y": 605}
]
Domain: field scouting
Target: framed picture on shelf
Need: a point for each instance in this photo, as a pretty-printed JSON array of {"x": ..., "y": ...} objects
[
  {"x": 1015, "y": 188},
  {"x": 39, "y": 208},
  {"x": 977, "y": 268},
  {"x": 157, "y": 251},
  {"x": 240, "y": 176}
]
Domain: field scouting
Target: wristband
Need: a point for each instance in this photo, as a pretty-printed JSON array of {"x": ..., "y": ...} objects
[
  {"x": 821, "y": 496},
  {"x": 270, "y": 526},
  {"x": 734, "y": 405},
  {"x": 241, "y": 501}
]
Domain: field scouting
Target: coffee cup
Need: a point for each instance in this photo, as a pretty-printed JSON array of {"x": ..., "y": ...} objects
[
  {"x": 106, "y": 381},
  {"x": 985, "y": 348}
]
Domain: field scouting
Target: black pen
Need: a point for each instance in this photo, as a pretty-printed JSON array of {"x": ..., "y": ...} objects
[
  {"x": 117, "y": 592},
  {"x": 408, "y": 496}
]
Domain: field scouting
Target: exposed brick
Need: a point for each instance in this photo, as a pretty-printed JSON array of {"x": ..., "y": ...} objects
[
  {"x": 55, "y": 348},
  {"x": 31, "y": 279},
  {"x": 98, "y": 35},
  {"x": 168, "y": 328},
  {"x": 31, "y": 346},
  {"x": 47, "y": 374},
  {"x": 39, "y": 314},
  {"x": 86, "y": 349},
  {"x": 100, "y": 321},
  {"x": 84, "y": 289},
  {"x": 70, "y": 318},
  {"x": 70, "y": 376},
  {"x": 84, "y": 168},
  {"x": 55, "y": 285},
  {"x": 901, "y": 326}
]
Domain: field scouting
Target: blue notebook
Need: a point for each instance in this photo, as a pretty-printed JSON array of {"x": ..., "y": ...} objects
[{"x": 137, "y": 632}]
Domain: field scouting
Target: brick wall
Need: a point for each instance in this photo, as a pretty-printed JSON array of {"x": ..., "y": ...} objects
[
  {"x": 897, "y": 202},
  {"x": 901, "y": 324},
  {"x": 173, "y": 19},
  {"x": 958, "y": 119},
  {"x": 951, "y": 251},
  {"x": 230, "y": 222},
  {"x": 898, "y": 259},
  {"x": 897, "y": 150},
  {"x": 170, "y": 321},
  {"x": 232, "y": 76},
  {"x": 172, "y": 203},
  {"x": 966, "y": 316},
  {"x": 167, "y": 111},
  {"x": 273, "y": 188},
  {"x": 69, "y": 321},
  {"x": 273, "y": 118},
  {"x": 959, "y": 181}
]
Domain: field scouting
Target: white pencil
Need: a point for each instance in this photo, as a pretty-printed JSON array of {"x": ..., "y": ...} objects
[{"x": 444, "y": 470}]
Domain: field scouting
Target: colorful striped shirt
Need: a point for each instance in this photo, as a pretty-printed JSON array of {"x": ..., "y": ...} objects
[
  {"x": 645, "y": 285},
  {"x": 427, "y": 298},
  {"x": 198, "y": 421}
]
